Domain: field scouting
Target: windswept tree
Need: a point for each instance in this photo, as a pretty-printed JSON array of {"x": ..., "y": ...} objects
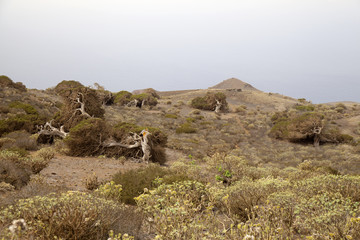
[
  {"x": 305, "y": 127},
  {"x": 211, "y": 101}
]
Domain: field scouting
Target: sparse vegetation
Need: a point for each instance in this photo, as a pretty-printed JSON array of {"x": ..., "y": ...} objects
[{"x": 226, "y": 180}]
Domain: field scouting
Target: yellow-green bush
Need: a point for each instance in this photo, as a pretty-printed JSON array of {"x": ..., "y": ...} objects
[
  {"x": 70, "y": 215},
  {"x": 178, "y": 210},
  {"x": 46, "y": 153},
  {"x": 110, "y": 191},
  {"x": 325, "y": 215},
  {"x": 134, "y": 181}
]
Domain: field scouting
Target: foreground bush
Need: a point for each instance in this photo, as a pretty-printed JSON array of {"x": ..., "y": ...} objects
[
  {"x": 18, "y": 139},
  {"x": 178, "y": 210},
  {"x": 13, "y": 169},
  {"x": 71, "y": 215}
]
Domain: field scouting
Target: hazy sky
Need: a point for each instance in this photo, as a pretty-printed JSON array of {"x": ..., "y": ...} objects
[{"x": 300, "y": 48}]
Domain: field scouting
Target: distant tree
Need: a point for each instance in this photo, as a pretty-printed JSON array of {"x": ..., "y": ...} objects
[
  {"x": 305, "y": 127},
  {"x": 211, "y": 101}
]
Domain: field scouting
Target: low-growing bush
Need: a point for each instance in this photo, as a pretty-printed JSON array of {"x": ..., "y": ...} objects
[
  {"x": 134, "y": 181},
  {"x": 109, "y": 190},
  {"x": 178, "y": 210},
  {"x": 186, "y": 128},
  {"x": 64, "y": 216},
  {"x": 13, "y": 173},
  {"x": 19, "y": 139},
  {"x": 46, "y": 153}
]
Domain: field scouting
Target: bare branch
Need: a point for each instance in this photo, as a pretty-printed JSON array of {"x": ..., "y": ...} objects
[
  {"x": 48, "y": 129},
  {"x": 141, "y": 140},
  {"x": 81, "y": 109}
]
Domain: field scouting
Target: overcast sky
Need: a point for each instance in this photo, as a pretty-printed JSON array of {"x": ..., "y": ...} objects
[{"x": 300, "y": 48}]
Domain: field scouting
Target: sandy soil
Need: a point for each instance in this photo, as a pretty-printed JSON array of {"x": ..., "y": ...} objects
[{"x": 73, "y": 171}]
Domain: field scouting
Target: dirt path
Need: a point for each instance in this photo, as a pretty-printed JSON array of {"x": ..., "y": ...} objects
[{"x": 73, "y": 171}]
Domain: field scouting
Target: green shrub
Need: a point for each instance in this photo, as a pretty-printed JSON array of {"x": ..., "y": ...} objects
[
  {"x": 308, "y": 108},
  {"x": 24, "y": 106},
  {"x": 122, "y": 98},
  {"x": 19, "y": 139},
  {"x": 110, "y": 191},
  {"x": 176, "y": 210},
  {"x": 148, "y": 99},
  {"x": 69, "y": 116},
  {"x": 169, "y": 115},
  {"x": 71, "y": 215},
  {"x": 27, "y": 122},
  {"x": 245, "y": 194},
  {"x": 208, "y": 102},
  {"x": 124, "y": 128},
  {"x": 324, "y": 215},
  {"x": 134, "y": 181},
  {"x": 5, "y": 81},
  {"x": 186, "y": 128},
  {"x": 85, "y": 138},
  {"x": 67, "y": 85}
]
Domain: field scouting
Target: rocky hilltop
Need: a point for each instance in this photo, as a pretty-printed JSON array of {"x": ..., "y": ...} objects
[{"x": 234, "y": 83}]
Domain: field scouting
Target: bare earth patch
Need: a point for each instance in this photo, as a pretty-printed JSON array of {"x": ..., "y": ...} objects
[{"x": 71, "y": 172}]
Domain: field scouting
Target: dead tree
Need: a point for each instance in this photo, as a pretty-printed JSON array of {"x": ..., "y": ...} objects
[
  {"x": 81, "y": 108},
  {"x": 218, "y": 106},
  {"x": 317, "y": 131},
  {"x": 142, "y": 140},
  {"x": 47, "y": 133}
]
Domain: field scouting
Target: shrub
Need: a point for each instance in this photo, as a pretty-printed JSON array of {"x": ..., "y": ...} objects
[
  {"x": 6, "y": 187},
  {"x": 19, "y": 139},
  {"x": 13, "y": 170},
  {"x": 46, "y": 153},
  {"x": 325, "y": 215},
  {"x": 122, "y": 130},
  {"x": 308, "y": 108},
  {"x": 208, "y": 102},
  {"x": 22, "y": 121},
  {"x": 69, "y": 117},
  {"x": 64, "y": 216},
  {"x": 122, "y": 98},
  {"x": 148, "y": 99},
  {"x": 85, "y": 138},
  {"x": 169, "y": 115},
  {"x": 245, "y": 194},
  {"x": 186, "y": 128},
  {"x": 134, "y": 181},
  {"x": 110, "y": 191},
  {"x": 37, "y": 164},
  {"x": 66, "y": 85},
  {"x": 5, "y": 81},
  {"x": 176, "y": 210},
  {"x": 24, "y": 106},
  {"x": 92, "y": 182}
]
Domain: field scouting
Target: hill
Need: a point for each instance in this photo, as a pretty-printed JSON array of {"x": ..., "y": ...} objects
[{"x": 234, "y": 83}]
